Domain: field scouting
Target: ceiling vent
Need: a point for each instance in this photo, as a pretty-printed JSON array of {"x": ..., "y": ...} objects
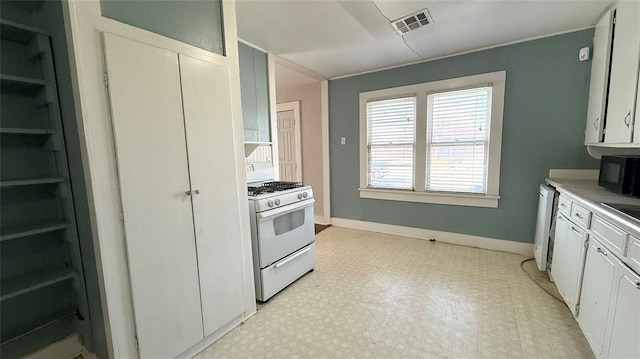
[{"x": 414, "y": 21}]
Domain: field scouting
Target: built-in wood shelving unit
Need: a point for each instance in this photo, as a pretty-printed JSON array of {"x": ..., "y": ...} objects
[
  {"x": 32, "y": 229},
  {"x": 35, "y": 280},
  {"x": 42, "y": 287}
]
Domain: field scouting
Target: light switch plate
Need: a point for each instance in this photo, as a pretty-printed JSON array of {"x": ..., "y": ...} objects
[
  {"x": 343, "y": 141},
  {"x": 584, "y": 54}
]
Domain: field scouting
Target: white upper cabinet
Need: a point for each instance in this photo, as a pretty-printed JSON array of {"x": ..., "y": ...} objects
[
  {"x": 624, "y": 74},
  {"x": 599, "y": 79}
]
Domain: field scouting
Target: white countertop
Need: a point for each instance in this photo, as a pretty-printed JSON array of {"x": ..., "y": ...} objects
[{"x": 589, "y": 195}]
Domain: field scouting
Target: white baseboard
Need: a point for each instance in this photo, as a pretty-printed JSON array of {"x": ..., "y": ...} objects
[
  {"x": 525, "y": 249},
  {"x": 318, "y": 219},
  {"x": 67, "y": 348}
]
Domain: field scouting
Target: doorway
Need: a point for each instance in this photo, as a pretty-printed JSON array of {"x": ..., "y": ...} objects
[{"x": 289, "y": 145}]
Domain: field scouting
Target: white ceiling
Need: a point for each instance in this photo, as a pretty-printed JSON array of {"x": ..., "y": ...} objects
[
  {"x": 290, "y": 76},
  {"x": 337, "y": 38}
]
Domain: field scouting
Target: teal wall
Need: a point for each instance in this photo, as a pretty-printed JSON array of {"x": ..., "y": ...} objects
[
  {"x": 254, "y": 86},
  {"x": 196, "y": 22},
  {"x": 545, "y": 109}
]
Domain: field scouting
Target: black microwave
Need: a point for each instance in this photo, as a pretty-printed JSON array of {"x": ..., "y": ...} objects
[{"x": 620, "y": 174}]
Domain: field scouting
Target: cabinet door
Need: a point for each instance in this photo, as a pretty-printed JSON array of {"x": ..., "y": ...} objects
[
  {"x": 249, "y": 94},
  {"x": 218, "y": 206},
  {"x": 572, "y": 266},
  {"x": 600, "y": 66},
  {"x": 597, "y": 290},
  {"x": 559, "y": 244},
  {"x": 625, "y": 327},
  {"x": 624, "y": 73},
  {"x": 146, "y": 108}
]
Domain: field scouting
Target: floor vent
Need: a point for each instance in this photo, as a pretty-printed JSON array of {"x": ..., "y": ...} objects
[{"x": 412, "y": 22}]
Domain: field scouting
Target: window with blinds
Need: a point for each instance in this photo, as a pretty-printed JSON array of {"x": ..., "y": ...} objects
[
  {"x": 430, "y": 142},
  {"x": 391, "y": 125},
  {"x": 458, "y": 125}
]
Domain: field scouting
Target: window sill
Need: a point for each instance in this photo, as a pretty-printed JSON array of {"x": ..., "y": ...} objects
[{"x": 456, "y": 199}]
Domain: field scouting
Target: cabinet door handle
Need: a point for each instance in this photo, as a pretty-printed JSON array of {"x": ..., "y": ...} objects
[
  {"x": 191, "y": 193},
  {"x": 638, "y": 284},
  {"x": 595, "y": 123},
  {"x": 579, "y": 215},
  {"x": 575, "y": 229},
  {"x": 601, "y": 251},
  {"x": 563, "y": 205},
  {"x": 627, "y": 119}
]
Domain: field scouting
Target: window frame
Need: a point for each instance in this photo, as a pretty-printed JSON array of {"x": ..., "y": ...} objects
[{"x": 421, "y": 91}]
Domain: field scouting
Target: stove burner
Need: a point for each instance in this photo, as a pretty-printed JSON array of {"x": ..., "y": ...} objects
[
  {"x": 282, "y": 185},
  {"x": 273, "y": 186}
]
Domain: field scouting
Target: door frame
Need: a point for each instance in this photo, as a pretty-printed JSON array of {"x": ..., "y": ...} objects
[{"x": 295, "y": 107}]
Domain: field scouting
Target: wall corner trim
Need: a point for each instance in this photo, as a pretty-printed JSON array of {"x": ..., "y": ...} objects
[{"x": 525, "y": 249}]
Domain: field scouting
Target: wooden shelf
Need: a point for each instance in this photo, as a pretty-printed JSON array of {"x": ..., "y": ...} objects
[
  {"x": 14, "y": 31},
  {"x": 29, "y": 282},
  {"x": 67, "y": 314},
  {"x": 26, "y": 131},
  {"x": 23, "y": 83},
  {"x": 31, "y": 182},
  {"x": 31, "y": 229}
]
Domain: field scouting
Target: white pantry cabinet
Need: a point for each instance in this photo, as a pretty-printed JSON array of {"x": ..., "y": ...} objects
[
  {"x": 625, "y": 315},
  {"x": 597, "y": 289},
  {"x": 600, "y": 64},
  {"x": 171, "y": 119}
]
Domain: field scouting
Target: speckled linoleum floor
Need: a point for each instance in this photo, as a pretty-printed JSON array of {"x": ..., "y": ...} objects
[{"x": 374, "y": 295}]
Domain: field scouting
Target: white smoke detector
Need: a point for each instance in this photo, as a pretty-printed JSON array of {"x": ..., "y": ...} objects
[{"x": 412, "y": 22}]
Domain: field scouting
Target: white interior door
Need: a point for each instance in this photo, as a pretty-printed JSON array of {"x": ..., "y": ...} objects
[
  {"x": 216, "y": 208},
  {"x": 289, "y": 146},
  {"x": 146, "y": 108}
]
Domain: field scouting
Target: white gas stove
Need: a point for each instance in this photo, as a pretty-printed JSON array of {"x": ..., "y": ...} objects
[{"x": 282, "y": 230}]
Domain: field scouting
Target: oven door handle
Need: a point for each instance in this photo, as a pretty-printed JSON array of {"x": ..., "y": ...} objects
[
  {"x": 286, "y": 209},
  {"x": 280, "y": 264}
]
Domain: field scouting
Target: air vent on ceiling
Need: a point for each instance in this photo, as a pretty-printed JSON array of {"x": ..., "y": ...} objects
[{"x": 414, "y": 21}]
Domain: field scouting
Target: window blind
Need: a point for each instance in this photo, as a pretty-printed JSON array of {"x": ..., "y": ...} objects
[
  {"x": 390, "y": 143},
  {"x": 457, "y": 140}
]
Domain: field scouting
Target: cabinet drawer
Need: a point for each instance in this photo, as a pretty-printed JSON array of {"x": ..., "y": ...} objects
[
  {"x": 580, "y": 216},
  {"x": 633, "y": 254},
  {"x": 612, "y": 237},
  {"x": 564, "y": 206}
]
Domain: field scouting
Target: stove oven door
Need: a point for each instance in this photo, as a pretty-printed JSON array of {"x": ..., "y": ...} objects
[{"x": 284, "y": 230}]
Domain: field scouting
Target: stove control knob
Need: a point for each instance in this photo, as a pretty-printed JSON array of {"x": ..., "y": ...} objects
[
  {"x": 277, "y": 201},
  {"x": 305, "y": 195},
  {"x": 300, "y": 196},
  {"x": 270, "y": 203}
]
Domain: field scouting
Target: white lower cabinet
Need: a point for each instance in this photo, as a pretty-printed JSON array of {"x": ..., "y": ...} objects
[
  {"x": 625, "y": 315},
  {"x": 572, "y": 267},
  {"x": 559, "y": 245},
  {"x": 597, "y": 291},
  {"x": 568, "y": 260}
]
